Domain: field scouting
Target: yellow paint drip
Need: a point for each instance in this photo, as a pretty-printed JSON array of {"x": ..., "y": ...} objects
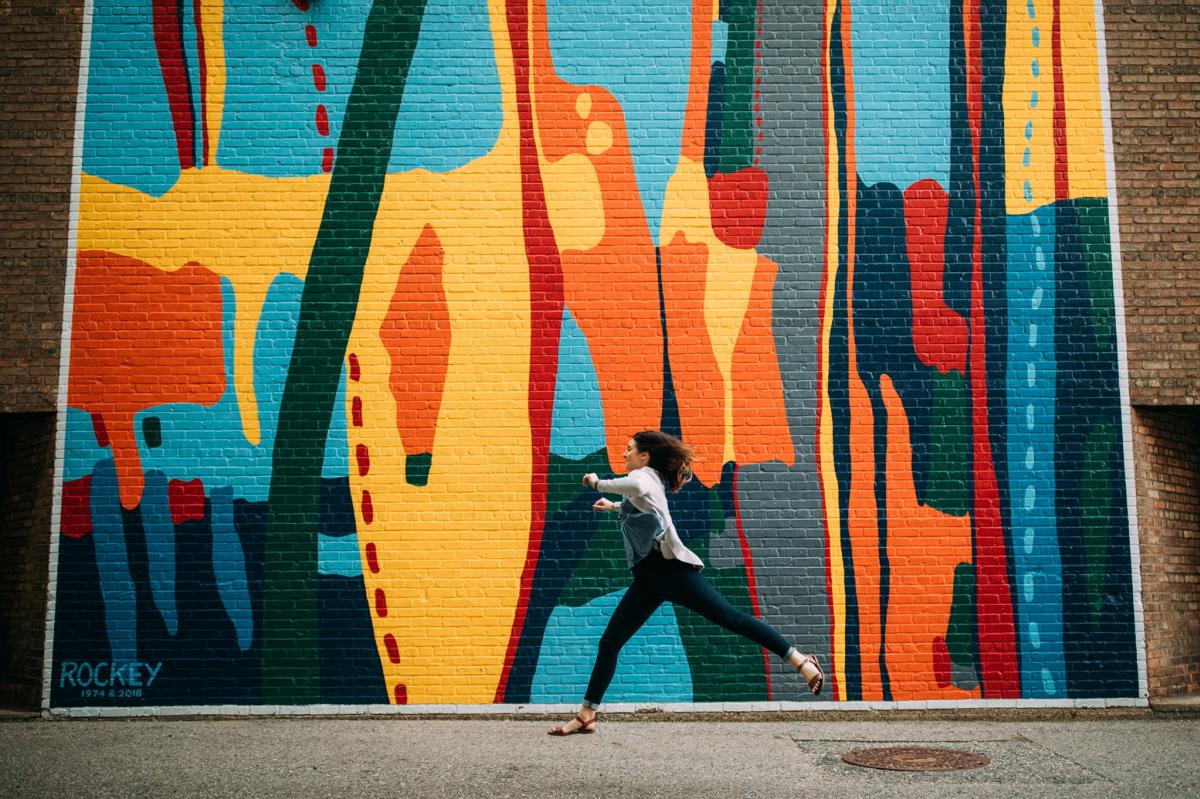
[
  {"x": 730, "y": 272},
  {"x": 247, "y": 228},
  {"x": 575, "y": 201}
]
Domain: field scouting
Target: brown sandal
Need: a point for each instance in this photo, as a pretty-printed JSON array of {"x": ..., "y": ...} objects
[
  {"x": 818, "y": 680},
  {"x": 584, "y": 728}
]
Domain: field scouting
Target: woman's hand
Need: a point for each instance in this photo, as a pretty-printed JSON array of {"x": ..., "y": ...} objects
[
  {"x": 604, "y": 504},
  {"x": 591, "y": 479}
]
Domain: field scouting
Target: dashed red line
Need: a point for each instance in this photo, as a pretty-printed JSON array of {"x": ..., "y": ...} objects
[
  {"x": 363, "y": 458},
  {"x": 393, "y": 649},
  {"x": 321, "y": 117},
  {"x": 368, "y": 510}
]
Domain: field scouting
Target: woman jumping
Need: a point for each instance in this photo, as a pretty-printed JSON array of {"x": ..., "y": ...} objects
[{"x": 664, "y": 570}]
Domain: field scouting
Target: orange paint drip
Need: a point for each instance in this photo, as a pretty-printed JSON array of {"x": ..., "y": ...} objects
[
  {"x": 760, "y": 426},
  {"x": 611, "y": 289},
  {"x": 699, "y": 384},
  {"x": 142, "y": 337},
  {"x": 924, "y": 546}
]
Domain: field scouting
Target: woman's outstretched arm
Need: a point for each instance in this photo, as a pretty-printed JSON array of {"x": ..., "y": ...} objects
[{"x": 631, "y": 485}]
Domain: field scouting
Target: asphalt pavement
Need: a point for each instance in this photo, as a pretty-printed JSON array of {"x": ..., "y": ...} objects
[{"x": 1131, "y": 754}]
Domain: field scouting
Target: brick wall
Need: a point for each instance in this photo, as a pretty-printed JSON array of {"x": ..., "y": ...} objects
[
  {"x": 40, "y": 64},
  {"x": 26, "y": 481},
  {"x": 1167, "y": 454},
  {"x": 1152, "y": 101},
  {"x": 1155, "y": 88}
]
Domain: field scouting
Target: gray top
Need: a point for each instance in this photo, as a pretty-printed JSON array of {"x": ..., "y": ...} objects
[
  {"x": 640, "y": 532},
  {"x": 644, "y": 492}
]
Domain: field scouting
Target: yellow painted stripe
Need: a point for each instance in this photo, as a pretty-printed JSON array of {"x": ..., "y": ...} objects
[
  {"x": 1088, "y": 167},
  {"x": 212, "y": 15},
  {"x": 832, "y": 507},
  {"x": 446, "y": 603},
  {"x": 1028, "y": 124}
]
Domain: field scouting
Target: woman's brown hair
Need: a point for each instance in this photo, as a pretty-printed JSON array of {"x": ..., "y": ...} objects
[{"x": 669, "y": 456}]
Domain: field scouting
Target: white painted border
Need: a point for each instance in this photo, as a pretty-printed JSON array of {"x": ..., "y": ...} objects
[
  {"x": 85, "y": 52},
  {"x": 496, "y": 709},
  {"x": 1135, "y": 553},
  {"x": 258, "y": 711}
]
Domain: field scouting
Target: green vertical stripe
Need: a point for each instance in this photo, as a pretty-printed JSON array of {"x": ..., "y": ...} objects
[
  {"x": 290, "y": 662},
  {"x": 737, "y": 122}
]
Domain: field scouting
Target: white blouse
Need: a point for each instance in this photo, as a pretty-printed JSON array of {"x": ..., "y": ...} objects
[{"x": 645, "y": 489}]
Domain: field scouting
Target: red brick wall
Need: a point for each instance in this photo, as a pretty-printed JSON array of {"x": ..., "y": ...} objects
[
  {"x": 1167, "y": 454},
  {"x": 40, "y": 64},
  {"x": 1154, "y": 75}
]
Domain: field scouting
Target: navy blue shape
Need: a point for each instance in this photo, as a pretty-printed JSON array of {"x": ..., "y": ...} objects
[
  {"x": 670, "y": 405},
  {"x": 202, "y": 662},
  {"x": 79, "y": 625},
  {"x": 564, "y": 541},
  {"x": 152, "y": 431},
  {"x": 960, "y": 221},
  {"x": 725, "y": 490},
  {"x": 351, "y": 673},
  {"x": 335, "y": 508},
  {"x": 838, "y": 367},
  {"x": 712, "y": 125}
]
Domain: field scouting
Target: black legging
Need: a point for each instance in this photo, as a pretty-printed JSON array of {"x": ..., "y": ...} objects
[{"x": 657, "y": 580}]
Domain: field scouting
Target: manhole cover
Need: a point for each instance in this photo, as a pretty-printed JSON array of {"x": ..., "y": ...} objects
[{"x": 915, "y": 758}]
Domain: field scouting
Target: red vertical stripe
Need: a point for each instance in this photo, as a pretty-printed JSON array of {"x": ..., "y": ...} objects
[
  {"x": 751, "y": 583},
  {"x": 168, "y": 41},
  {"x": 1062, "y": 188},
  {"x": 204, "y": 156},
  {"x": 993, "y": 608},
  {"x": 546, "y": 308}
]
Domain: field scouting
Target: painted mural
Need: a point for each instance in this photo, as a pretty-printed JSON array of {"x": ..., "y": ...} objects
[{"x": 361, "y": 289}]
